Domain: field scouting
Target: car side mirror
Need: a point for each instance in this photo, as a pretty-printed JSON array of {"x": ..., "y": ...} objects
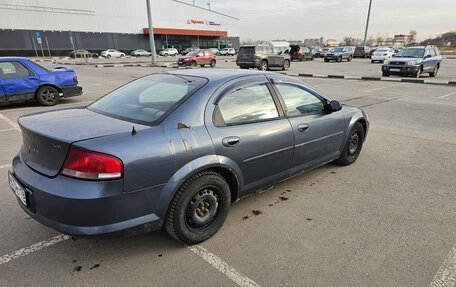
[
  {"x": 427, "y": 56},
  {"x": 334, "y": 106}
]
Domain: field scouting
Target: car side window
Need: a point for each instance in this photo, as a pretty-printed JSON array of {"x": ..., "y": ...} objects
[
  {"x": 437, "y": 52},
  {"x": 269, "y": 50},
  {"x": 298, "y": 101},
  {"x": 246, "y": 105},
  {"x": 200, "y": 53},
  {"x": 432, "y": 52},
  {"x": 10, "y": 70}
]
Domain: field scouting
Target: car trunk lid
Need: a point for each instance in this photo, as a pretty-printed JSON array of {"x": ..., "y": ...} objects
[{"x": 47, "y": 136}]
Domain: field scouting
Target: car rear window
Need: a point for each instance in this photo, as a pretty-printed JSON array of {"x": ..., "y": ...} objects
[
  {"x": 147, "y": 99},
  {"x": 247, "y": 51}
]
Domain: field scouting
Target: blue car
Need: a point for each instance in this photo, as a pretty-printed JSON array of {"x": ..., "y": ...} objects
[
  {"x": 22, "y": 80},
  {"x": 175, "y": 149}
]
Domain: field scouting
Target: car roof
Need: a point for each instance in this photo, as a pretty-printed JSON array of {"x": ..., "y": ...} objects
[{"x": 13, "y": 58}]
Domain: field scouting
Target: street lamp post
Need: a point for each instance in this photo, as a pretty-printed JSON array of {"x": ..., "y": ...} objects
[
  {"x": 367, "y": 22},
  {"x": 151, "y": 34}
]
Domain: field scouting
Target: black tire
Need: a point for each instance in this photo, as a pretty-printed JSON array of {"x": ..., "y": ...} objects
[
  {"x": 434, "y": 72},
  {"x": 326, "y": 60},
  {"x": 349, "y": 59},
  {"x": 47, "y": 96},
  {"x": 263, "y": 66},
  {"x": 339, "y": 59},
  {"x": 202, "y": 66},
  {"x": 122, "y": 56},
  {"x": 193, "y": 64},
  {"x": 108, "y": 56},
  {"x": 286, "y": 65},
  {"x": 419, "y": 72},
  {"x": 165, "y": 54},
  {"x": 385, "y": 74},
  {"x": 372, "y": 61},
  {"x": 213, "y": 63},
  {"x": 190, "y": 218},
  {"x": 351, "y": 150}
]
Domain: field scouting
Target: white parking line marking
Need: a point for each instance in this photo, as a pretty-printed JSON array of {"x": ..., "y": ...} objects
[
  {"x": 237, "y": 277},
  {"x": 10, "y": 122},
  {"x": 447, "y": 95},
  {"x": 446, "y": 275},
  {"x": 5, "y": 166},
  {"x": 7, "y": 130},
  {"x": 376, "y": 89},
  {"x": 33, "y": 248}
]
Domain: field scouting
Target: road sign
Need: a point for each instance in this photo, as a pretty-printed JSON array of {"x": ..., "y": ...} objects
[{"x": 38, "y": 38}]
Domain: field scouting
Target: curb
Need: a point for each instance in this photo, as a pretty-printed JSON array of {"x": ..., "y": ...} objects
[{"x": 403, "y": 80}]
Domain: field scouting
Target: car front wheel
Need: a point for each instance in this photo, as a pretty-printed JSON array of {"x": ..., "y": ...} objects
[
  {"x": 47, "y": 96},
  {"x": 434, "y": 72},
  {"x": 418, "y": 72},
  {"x": 199, "y": 208},
  {"x": 213, "y": 63},
  {"x": 193, "y": 64},
  {"x": 352, "y": 146}
]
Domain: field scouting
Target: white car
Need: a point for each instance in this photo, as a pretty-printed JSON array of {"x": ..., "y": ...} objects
[
  {"x": 169, "y": 52},
  {"x": 227, "y": 52},
  {"x": 214, "y": 50},
  {"x": 382, "y": 54},
  {"x": 112, "y": 53}
]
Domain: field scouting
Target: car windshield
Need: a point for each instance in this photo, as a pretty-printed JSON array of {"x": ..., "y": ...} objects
[
  {"x": 145, "y": 100},
  {"x": 337, "y": 50},
  {"x": 193, "y": 53},
  {"x": 411, "y": 53}
]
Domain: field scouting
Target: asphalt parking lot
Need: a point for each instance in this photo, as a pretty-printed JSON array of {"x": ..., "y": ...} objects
[{"x": 387, "y": 220}]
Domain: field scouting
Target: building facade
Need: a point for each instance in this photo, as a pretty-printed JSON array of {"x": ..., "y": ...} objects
[{"x": 36, "y": 27}]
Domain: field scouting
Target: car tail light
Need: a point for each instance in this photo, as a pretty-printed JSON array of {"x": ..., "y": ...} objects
[
  {"x": 75, "y": 79},
  {"x": 83, "y": 164},
  {"x": 386, "y": 54},
  {"x": 254, "y": 56}
]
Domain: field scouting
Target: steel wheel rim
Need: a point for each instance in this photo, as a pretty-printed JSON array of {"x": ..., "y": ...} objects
[
  {"x": 353, "y": 144},
  {"x": 286, "y": 65},
  {"x": 203, "y": 209},
  {"x": 264, "y": 67},
  {"x": 48, "y": 96}
]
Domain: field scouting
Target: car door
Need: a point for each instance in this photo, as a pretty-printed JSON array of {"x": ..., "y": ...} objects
[
  {"x": 273, "y": 57},
  {"x": 207, "y": 57},
  {"x": 427, "y": 60},
  {"x": 248, "y": 127},
  {"x": 18, "y": 82},
  {"x": 318, "y": 134}
]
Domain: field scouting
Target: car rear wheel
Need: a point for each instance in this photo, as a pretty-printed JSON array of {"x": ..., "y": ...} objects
[
  {"x": 339, "y": 59},
  {"x": 108, "y": 56},
  {"x": 353, "y": 146},
  {"x": 263, "y": 66},
  {"x": 202, "y": 66},
  {"x": 434, "y": 72},
  {"x": 165, "y": 54},
  {"x": 193, "y": 64},
  {"x": 47, "y": 96},
  {"x": 122, "y": 56},
  {"x": 213, "y": 63},
  {"x": 326, "y": 60},
  {"x": 199, "y": 208},
  {"x": 372, "y": 61},
  {"x": 286, "y": 65}
]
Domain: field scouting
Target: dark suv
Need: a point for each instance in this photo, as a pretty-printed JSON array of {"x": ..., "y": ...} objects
[
  {"x": 262, "y": 58},
  {"x": 362, "y": 52},
  {"x": 414, "y": 61}
]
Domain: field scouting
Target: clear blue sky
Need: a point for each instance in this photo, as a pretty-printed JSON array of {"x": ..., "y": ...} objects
[{"x": 299, "y": 19}]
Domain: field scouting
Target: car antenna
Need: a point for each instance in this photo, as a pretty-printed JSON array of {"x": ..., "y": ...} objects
[{"x": 133, "y": 131}]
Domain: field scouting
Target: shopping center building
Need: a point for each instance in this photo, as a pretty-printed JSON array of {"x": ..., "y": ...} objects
[{"x": 33, "y": 27}]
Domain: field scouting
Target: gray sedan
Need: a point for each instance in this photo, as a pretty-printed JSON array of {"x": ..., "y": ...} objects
[{"x": 175, "y": 149}]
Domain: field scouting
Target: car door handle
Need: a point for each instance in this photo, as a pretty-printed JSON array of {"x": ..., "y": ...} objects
[
  {"x": 230, "y": 141},
  {"x": 303, "y": 127}
]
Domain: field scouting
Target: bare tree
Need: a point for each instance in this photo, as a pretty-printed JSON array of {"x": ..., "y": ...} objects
[
  {"x": 412, "y": 34},
  {"x": 349, "y": 41}
]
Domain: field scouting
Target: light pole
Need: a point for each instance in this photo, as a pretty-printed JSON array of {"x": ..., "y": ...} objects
[
  {"x": 367, "y": 22},
  {"x": 151, "y": 34}
]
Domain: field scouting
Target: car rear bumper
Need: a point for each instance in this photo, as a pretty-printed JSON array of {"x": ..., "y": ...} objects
[
  {"x": 378, "y": 58},
  {"x": 87, "y": 208},
  {"x": 71, "y": 91},
  {"x": 248, "y": 64},
  {"x": 333, "y": 57},
  {"x": 400, "y": 70}
]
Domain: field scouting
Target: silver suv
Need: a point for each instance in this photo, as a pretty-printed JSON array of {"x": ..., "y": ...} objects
[{"x": 413, "y": 61}]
